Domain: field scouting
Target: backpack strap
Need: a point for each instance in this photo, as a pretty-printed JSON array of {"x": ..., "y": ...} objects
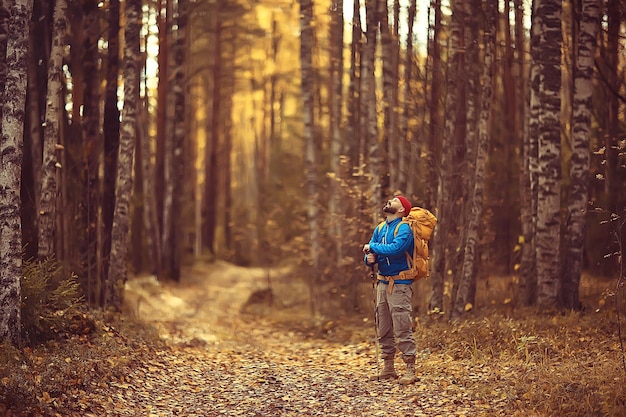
[{"x": 395, "y": 232}]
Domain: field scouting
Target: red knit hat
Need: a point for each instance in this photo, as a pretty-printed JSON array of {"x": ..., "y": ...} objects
[{"x": 405, "y": 203}]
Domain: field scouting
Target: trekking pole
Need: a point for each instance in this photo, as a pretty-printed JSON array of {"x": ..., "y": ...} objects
[{"x": 373, "y": 278}]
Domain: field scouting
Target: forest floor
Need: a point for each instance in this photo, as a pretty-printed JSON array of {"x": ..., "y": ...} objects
[{"x": 216, "y": 344}]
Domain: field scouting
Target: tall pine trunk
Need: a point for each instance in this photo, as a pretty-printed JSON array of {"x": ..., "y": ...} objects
[
  {"x": 174, "y": 152},
  {"x": 306, "y": 47},
  {"x": 408, "y": 182},
  {"x": 435, "y": 101},
  {"x": 111, "y": 130},
  {"x": 209, "y": 201},
  {"x": 527, "y": 271},
  {"x": 336, "y": 145},
  {"x": 369, "y": 117},
  {"x": 92, "y": 144}
]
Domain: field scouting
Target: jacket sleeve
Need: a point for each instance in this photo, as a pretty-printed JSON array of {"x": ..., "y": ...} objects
[
  {"x": 372, "y": 240},
  {"x": 401, "y": 243}
]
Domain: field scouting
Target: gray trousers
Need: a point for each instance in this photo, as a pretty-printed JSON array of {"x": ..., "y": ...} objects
[{"x": 393, "y": 315}]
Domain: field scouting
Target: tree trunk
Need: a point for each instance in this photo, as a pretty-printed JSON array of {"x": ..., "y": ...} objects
[
  {"x": 11, "y": 145},
  {"x": 579, "y": 166},
  {"x": 547, "y": 25},
  {"x": 408, "y": 182},
  {"x": 336, "y": 145},
  {"x": 111, "y": 128},
  {"x": 118, "y": 267},
  {"x": 613, "y": 186},
  {"x": 150, "y": 217},
  {"x": 468, "y": 277},
  {"x": 527, "y": 291},
  {"x": 434, "y": 127},
  {"x": 389, "y": 46},
  {"x": 4, "y": 32},
  {"x": 369, "y": 116},
  {"x": 174, "y": 142},
  {"x": 33, "y": 142},
  {"x": 92, "y": 143},
  {"x": 444, "y": 204},
  {"x": 466, "y": 163},
  {"x": 306, "y": 47},
  {"x": 355, "y": 148},
  {"x": 164, "y": 17},
  {"x": 48, "y": 195},
  {"x": 212, "y": 146}
]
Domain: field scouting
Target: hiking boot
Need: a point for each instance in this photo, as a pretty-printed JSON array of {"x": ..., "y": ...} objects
[
  {"x": 389, "y": 372},
  {"x": 409, "y": 376}
]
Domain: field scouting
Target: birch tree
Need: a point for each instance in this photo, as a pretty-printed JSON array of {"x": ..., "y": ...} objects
[
  {"x": 11, "y": 146},
  {"x": 446, "y": 172},
  {"x": 464, "y": 185},
  {"x": 579, "y": 164},
  {"x": 48, "y": 195},
  {"x": 118, "y": 268},
  {"x": 547, "y": 25},
  {"x": 476, "y": 195}
]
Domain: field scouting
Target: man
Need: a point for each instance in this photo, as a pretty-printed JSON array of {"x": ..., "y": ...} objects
[{"x": 388, "y": 248}]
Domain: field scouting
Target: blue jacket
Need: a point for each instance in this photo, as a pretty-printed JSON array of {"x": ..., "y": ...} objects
[{"x": 391, "y": 250}]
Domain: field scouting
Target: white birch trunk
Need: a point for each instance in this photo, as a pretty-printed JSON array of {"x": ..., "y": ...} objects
[
  {"x": 548, "y": 233},
  {"x": 444, "y": 205},
  {"x": 48, "y": 196},
  {"x": 118, "y": 266},
  {"x": 579, "y": 167},
  {"x": 11, "y": 145},
  {"x": 482, "y": 153}
]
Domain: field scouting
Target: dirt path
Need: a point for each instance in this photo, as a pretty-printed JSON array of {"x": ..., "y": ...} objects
[{"x": 218, "y": 362}]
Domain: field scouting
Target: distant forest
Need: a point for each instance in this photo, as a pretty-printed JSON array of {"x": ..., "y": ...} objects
[{"x": 140, "y": 136}]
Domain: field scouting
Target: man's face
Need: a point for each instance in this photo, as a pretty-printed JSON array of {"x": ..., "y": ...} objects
[{"x": 392, "y": 206}]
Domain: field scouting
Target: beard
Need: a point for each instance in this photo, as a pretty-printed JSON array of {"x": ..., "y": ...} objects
[{"x": 388, "y": 209}]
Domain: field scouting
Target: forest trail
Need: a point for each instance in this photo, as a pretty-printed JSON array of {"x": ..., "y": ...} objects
[{"x": 219, "y": 361}]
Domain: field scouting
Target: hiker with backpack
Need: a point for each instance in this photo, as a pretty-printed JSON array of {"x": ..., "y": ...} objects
[
  {"x": 399, "y": 246},
  {"x": 393, "y": 295}
]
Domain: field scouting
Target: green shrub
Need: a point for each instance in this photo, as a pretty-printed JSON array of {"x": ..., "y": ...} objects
[{"x": 51, "y": 304}]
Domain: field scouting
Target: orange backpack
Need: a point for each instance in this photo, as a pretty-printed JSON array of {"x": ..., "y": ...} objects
[{"x": 422, "y": 223}]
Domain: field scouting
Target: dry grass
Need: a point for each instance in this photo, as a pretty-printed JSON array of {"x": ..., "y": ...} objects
[{"x": 565, "y": 364}]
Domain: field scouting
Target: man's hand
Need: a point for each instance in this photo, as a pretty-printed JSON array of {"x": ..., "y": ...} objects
[
  {"x": 371, "y": 258},
  {"x": 366, "y": 248}
]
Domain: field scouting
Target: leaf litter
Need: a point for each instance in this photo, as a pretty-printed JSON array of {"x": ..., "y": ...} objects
[{"x": 209, "y": 360}]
